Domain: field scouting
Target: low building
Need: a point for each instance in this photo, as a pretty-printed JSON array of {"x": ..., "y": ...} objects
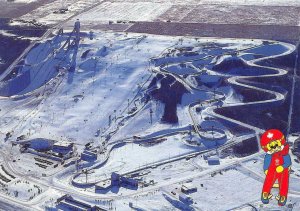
[
  {"x": 62, "y": 147},
  {"x": 89, "y": 155},
  {"x": 129, "y": 182},
  {"x": 296, "y": 147},
  {"x": 213, "y": 161},
  {"x": 67, "y": 202},
  {"x": 118, "y": 180},
  {"x": 188, "y": 188}
]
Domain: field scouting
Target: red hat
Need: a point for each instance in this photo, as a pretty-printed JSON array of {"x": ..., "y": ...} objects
[{"x": 271, "y": 135}]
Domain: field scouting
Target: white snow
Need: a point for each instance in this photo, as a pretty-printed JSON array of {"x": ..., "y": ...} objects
[
  {"x": 22, "y": 190},
  {"x": 138, "y": 11},
  {"x": 218, "y": 187}
]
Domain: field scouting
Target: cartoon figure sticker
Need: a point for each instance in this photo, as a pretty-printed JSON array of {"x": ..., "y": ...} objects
[{"x": 277, "y": 164}]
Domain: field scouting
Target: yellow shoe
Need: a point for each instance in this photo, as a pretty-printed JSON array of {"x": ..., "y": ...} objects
[
  {"x": 265, "y": 197},
  {"x": 282, "y": 200}
]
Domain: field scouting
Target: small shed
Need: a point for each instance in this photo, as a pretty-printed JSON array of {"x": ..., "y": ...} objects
[
  {"x": 188, "y": 188},
  {"x": 213, "y": 161}
]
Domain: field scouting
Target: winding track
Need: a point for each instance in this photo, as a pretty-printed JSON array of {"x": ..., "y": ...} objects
[{"x": 234, "y": 80}]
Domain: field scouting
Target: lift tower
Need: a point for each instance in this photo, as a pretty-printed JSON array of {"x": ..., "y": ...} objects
[{"x": 73, "y": 43}]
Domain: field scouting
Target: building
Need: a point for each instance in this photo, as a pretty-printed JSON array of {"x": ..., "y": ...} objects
[
  {"x": 118, "y": 180},
  {"x": 87, "y": 155},
  {"x": 67, "y": 202},
  {"x": 115, "y": 179},
  {"x": 129, "y": 182},
  {"x": 296, "y": 147},
  {"x": 213, "y": 161},
  {"x": 62, "y": 147},
  {"x": 188, "y": 188}
]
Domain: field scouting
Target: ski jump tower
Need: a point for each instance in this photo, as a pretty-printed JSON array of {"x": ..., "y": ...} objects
[
  {"x": 72, "y": 43},
  {"x": 74, "y": 37},
  {"x": 75, "y": 43}
]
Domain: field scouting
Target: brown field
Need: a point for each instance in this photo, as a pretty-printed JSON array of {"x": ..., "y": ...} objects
[
  {"x": 16, "y": 10},
  {"x": 250, "y": 15},
  {"x": 185, "y": 18},
  {"x": 272, "y": 32}
]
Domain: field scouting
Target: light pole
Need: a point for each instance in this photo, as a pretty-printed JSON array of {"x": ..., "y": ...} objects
[
  {"x": 151, "y": 112},
  {"x": 128, "y": 106},
  {"x": 214, "y": 93}
]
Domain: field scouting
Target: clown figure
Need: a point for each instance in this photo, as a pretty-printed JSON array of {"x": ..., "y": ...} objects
[{"x": 277, "y": 163}]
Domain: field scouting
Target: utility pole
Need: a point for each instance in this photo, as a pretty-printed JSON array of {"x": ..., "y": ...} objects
[
  {"x": 151, "y": 112},
  {"x": 52, "y": 117},
  {"x": 77, "y": 165},
  {"x": 217, "y": 149},
  {"x": 85, "y": 171},
  {"x": 86, "y": 176},
  {"x": 214, "y": 93},
  {"x": 128, "y": 106}
]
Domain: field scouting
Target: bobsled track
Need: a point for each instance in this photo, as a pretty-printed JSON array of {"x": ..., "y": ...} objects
[
  {"x": 279, "y": 97},
  {"x": 237, "y": 81}
]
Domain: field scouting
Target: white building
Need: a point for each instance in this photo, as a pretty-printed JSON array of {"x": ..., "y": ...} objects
[
  {"x": 62, "y": 146},
  {"x": 188, "y": 188}
]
